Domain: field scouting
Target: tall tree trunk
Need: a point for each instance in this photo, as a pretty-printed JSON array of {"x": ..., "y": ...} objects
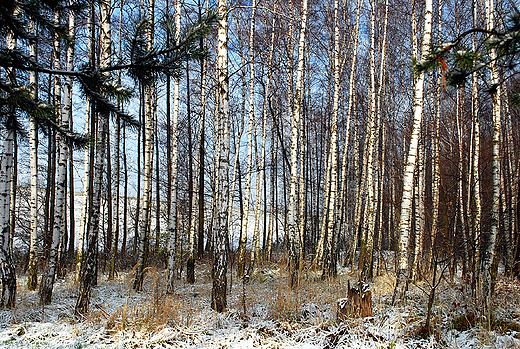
[
  {"x": 32, "y": 269},
  {"x": 342, "y": 199},
  {"x": 261, "y": 180},
  {"x": 49, "y": 274},
  {"x": 172, "y": 223},
  {"x": 144, "y": 229},
  {"x": 117, "y": 169},
  {"x": 7, "y": 268},
  {"x": 292, "y": 229},
  {"x": 219, "y": 272},
  {"x": 250, "y": 132},
  {"x": 125, "y": 196},
  {"x": 115, "y": 200},
  {"x": 87, "y": 163},
  {"x": 190, "y": 267},
  {"x": 203, "y": 69},
  {"x": 89, "y": 269},
  {"x": 411, "y": 162},
  {"x": 436, "y": 156},
  {"x": 487, "y": 280},
  {"x": 330, "y": 263},
  {"x": 367, "y": 244}
]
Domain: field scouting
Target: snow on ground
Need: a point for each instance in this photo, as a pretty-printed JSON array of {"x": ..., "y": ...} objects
[{"x": 263, "y": 313}]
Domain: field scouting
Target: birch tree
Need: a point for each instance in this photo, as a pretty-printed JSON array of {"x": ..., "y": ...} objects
[
  {"x": 7, "y": 268},
  {"x": 489, "y": 250},
  {"x": 411, "y": 162},
  {"x": 89, "y": 267},
  {"x": 351, "y": 94},
  {"x": 292, "y": 228},
  {"x": 219, "y": 272},
  {"x": 172, "y": 224},
  {"x": 49, "y": 274},
  {"x": 32, "y": 268},
  {"x": 329, "y": 266},
  {"x": 250, "y": 133},
  {"x": 149, "y": 121},
  {"x": 367, "y": 244}
]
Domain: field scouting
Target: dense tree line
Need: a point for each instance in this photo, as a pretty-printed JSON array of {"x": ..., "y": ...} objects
[{"x": 316, "y": 134}]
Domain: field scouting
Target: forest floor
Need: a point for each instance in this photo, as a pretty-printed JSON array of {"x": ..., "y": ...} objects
[{"x": 262, "y": 313}]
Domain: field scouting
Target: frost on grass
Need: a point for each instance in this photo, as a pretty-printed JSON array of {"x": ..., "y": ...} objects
[{"x": 263, "y": 313}]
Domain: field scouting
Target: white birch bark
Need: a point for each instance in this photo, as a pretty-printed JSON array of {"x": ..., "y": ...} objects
[
  {"x": 173, "y": 224},
  {"x": 32, "y": 268},
  {"x": 117, "y": 176},
  {"x": 84, "y": 209},
  {"x": 301, "y": 188},
  {"x": 292, "y": 229},
  {"x": 486, "y": 278},
  {"x": 261, "y": 170},
  {"x": 7, "y": 268},
  {"x": 250, "y": 132},
  {"x": 149, "y": 121},
  {"x": 411, "y": 162},
  {"x": 320, "y": 246},
  {"x": 49, "y": 274},
  {"x": 380, "y": 100},
  {"x": 367, "y": 243},
  {"x": 419, "y": 212},
  {"x": 329, "y": 267},
  {"x": 436, "y": 174},
  {"x": 89, "y": 266},
  {"x": 218, "y": 294},
  {"x": 86, "y": 163},
  {"x": 351, "y": 92}
]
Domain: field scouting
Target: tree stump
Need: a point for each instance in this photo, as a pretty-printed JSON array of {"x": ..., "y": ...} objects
[{"x": 358, "y": 302}]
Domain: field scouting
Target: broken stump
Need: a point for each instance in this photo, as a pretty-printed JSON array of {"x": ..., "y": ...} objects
[{"x": 358, "y": 302}]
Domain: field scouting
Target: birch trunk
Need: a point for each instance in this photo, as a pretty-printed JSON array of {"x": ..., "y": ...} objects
[
  {"x": 68, "y": 95},
  {"x": 144, "y": 229},
  {"x": 89, "y": 268},
  {"x": 411, "y": 162},
  {"x": 367, "y": 243},
  {"x": 7, "y": 268},
  {"x": 419, "y": 212},
  {"x": 381, "y": 94},
  {"x": 489, "y": 250},
  {"x": 203, "y": 73},
  {"x": 32, "y": 268},
  {"x": 330, "y": 263},
  {"x": 261, "y": 170},
  {"x": 436, "y": 156},
  {"x": 292, "y": 229},
  {"x": 190, "y": 270},
  {"x": 250, "y": 132},
  {"x": 51, "y": 267},
  {"x": 475, "y": 169},
  {"x": 117, "y": 168},
  {"x": 87, "y": 160},
  {"x": 173, "y": 224},
  {"x": 351, "y": 92},
  {"x": 219, "y": 272}
]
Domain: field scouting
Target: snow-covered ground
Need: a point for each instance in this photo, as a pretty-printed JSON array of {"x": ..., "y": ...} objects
[{"x": 263, "y": 313}]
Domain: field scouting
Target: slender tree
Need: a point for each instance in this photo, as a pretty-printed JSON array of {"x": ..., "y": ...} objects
[
  {"x": 219, "y": 272},
  {"x": 411, "y": 162},
  {"x": 47, "y": 282},
  {"x": 32, "y": 268}
]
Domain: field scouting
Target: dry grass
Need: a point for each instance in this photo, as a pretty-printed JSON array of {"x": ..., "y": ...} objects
[{"x": 265, "y": 309}]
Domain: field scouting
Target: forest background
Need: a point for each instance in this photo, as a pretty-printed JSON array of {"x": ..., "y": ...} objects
[{"x": 166, "y": 133}]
